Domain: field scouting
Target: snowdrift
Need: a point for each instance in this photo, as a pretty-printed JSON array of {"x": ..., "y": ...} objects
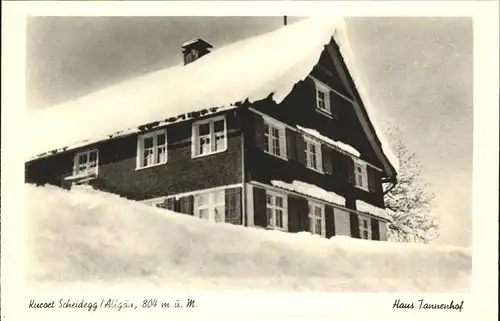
[{"x": 93, "y": 236}]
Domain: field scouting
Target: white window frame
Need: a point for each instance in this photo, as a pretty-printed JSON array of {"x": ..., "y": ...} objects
[
  {"x": 360, "y": 174},
  {"x": 273, "y": 207},
  {"x": 140, "y": 148},
  {"x": 362, "y": 228},
  {"x": 196, "y": 138},
  {"x": 319, "y": 157},
  {"x": 211, "y": 205},
  {"x": 270, "y": 138},
  {"x": 313, "y": 218},
  {"x": 325, "y": 90},
  {"x": 89, "y": 169}
]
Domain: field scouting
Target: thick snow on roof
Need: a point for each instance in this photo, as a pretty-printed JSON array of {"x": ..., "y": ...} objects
[
  {"x": 248, "y": 69},
  {"x": 345, "y": 147},
  {"x": 311, "y": 190},
  {"x": 371, "y": 209}
]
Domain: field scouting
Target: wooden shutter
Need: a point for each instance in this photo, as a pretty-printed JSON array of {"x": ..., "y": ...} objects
[
  {"x": 301, "y": 149},
  {"x": 326, "y": 153},
  {"x": 186, "y": 204},
  {"x": 350, "y": 171},
  {"x": 291, "y": 144},
  {"x": 259, "y": 207},
  {"x": 298, "y": 214},
  {"x": 375, "y": 229},
  {"x": 336, "y": 101},
  {"x": 329, "y": 221},
  {"x": 373, "y": 179},
  {"x": 354, "y": 222},
  {"x": 233, "y": 205},
  {"x": 168, "y": 203},
  {"x": 259, "y": 131}
]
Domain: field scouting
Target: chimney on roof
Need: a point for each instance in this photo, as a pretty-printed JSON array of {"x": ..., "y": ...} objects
[{"x": 195, "y": 49}]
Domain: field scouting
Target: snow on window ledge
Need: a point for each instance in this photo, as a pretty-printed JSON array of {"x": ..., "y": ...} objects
[
  {"x": 345, "y": 147},
  {"x": 362, "y": 206},
  {"x": 311, "y": 190}
]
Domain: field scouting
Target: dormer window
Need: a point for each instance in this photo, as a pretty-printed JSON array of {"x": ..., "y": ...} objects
[{"x": 322, "y": 97}]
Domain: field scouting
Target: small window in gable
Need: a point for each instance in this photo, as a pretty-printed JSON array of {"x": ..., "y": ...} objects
[
  {"x": 322, "y": 97},
  {"x": 209, "y": 136},
  {"x": 360, "y": 175},
  {"x": 313, "y": 154},
  {"x": 86, "y": 163},
  {"x": 275, "y": 139},
  {"x": 152, "y": 149}
]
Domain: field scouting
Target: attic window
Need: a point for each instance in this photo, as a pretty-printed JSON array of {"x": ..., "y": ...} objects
[{"x": 322, "y": 97}]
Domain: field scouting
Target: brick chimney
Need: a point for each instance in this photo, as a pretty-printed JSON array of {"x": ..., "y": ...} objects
[{"x": 195, "y": 49}]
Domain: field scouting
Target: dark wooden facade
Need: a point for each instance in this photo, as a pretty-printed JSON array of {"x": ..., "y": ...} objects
[{"x": 244, "y": 160}]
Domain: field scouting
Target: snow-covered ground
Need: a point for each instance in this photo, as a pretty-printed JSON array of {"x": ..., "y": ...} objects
[{"x": 94, "y": 236}]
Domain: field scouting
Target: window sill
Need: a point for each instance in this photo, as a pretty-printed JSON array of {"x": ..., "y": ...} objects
[
  {"x": 324, "y": 112},
  {"x": 81, "y": 177},
  {"x": 277, "y": 156},
  {"x": 275, "y": 228},
  {"x": 150, "y": 166},
  {"x": 208, "y": 154},
  {"x": 362, "y": 188},
  {"x": 316, "y": 170}
]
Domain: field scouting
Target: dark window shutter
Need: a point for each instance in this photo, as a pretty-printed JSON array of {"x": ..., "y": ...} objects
[
  {"x": 329, "y": 221},
  {"x": 233, "y": 205},
  {"x": 326, "y": 153},
  {"x": 310, "y": 93},
  {"x": 350, "y": 171},
  {"x": 291, "y": 144},
  {"x": 301, "y": 149},
  {"x": 186, "y": 204},
  {"x": 375, "y": 230},
  {"x": 354, "y": 220},
  {"x": 335, "y": 102},
  {"x": 168, "y": 203},
  {"x": 259, "y": 207},
  {"x": 259, "y": 131},
  {"x": 298, "y": 214},
  {"x": 373, "y": 179}
]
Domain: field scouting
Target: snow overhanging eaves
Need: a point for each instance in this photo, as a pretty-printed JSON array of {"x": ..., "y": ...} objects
[
  {"x": 290, "y": 53},
  {"x": 310, "y": 190}
]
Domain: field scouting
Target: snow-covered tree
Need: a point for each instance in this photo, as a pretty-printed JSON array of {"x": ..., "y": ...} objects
[{"x": 409, "y": 201}]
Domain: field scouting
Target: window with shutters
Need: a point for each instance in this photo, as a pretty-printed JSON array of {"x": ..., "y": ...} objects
[
  {"x": 317, "y": 218},
  {"x": 275, "y": 139},
  {"x": 322, "y": 97},
  {"x": 152, "y": 149},
  {"x": 365, "y": 229},
  {"x": 360, "y": 175},
  {"x": 209, "y": 136},
  {"x": 210, "y": 206},
  {"x": 313, "y": 154},
  {"x": 276, "y": 211},
  {"x": 86, "y": 163}
]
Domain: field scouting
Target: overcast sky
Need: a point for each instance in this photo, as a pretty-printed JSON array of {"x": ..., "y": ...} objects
[{"x": 419, "y": 71}]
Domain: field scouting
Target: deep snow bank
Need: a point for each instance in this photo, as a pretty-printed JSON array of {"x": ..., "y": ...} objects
[{"x": 90, "y": 235}]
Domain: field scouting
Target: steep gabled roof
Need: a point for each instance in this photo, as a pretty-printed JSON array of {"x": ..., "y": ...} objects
[{"x": 249, "y": 69}]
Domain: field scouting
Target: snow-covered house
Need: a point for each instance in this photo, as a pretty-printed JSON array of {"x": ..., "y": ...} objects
[{"x": 275, "y": 131}]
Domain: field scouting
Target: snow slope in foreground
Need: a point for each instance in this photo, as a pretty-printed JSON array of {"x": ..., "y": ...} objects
[{"x": 89, "y": 235}]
